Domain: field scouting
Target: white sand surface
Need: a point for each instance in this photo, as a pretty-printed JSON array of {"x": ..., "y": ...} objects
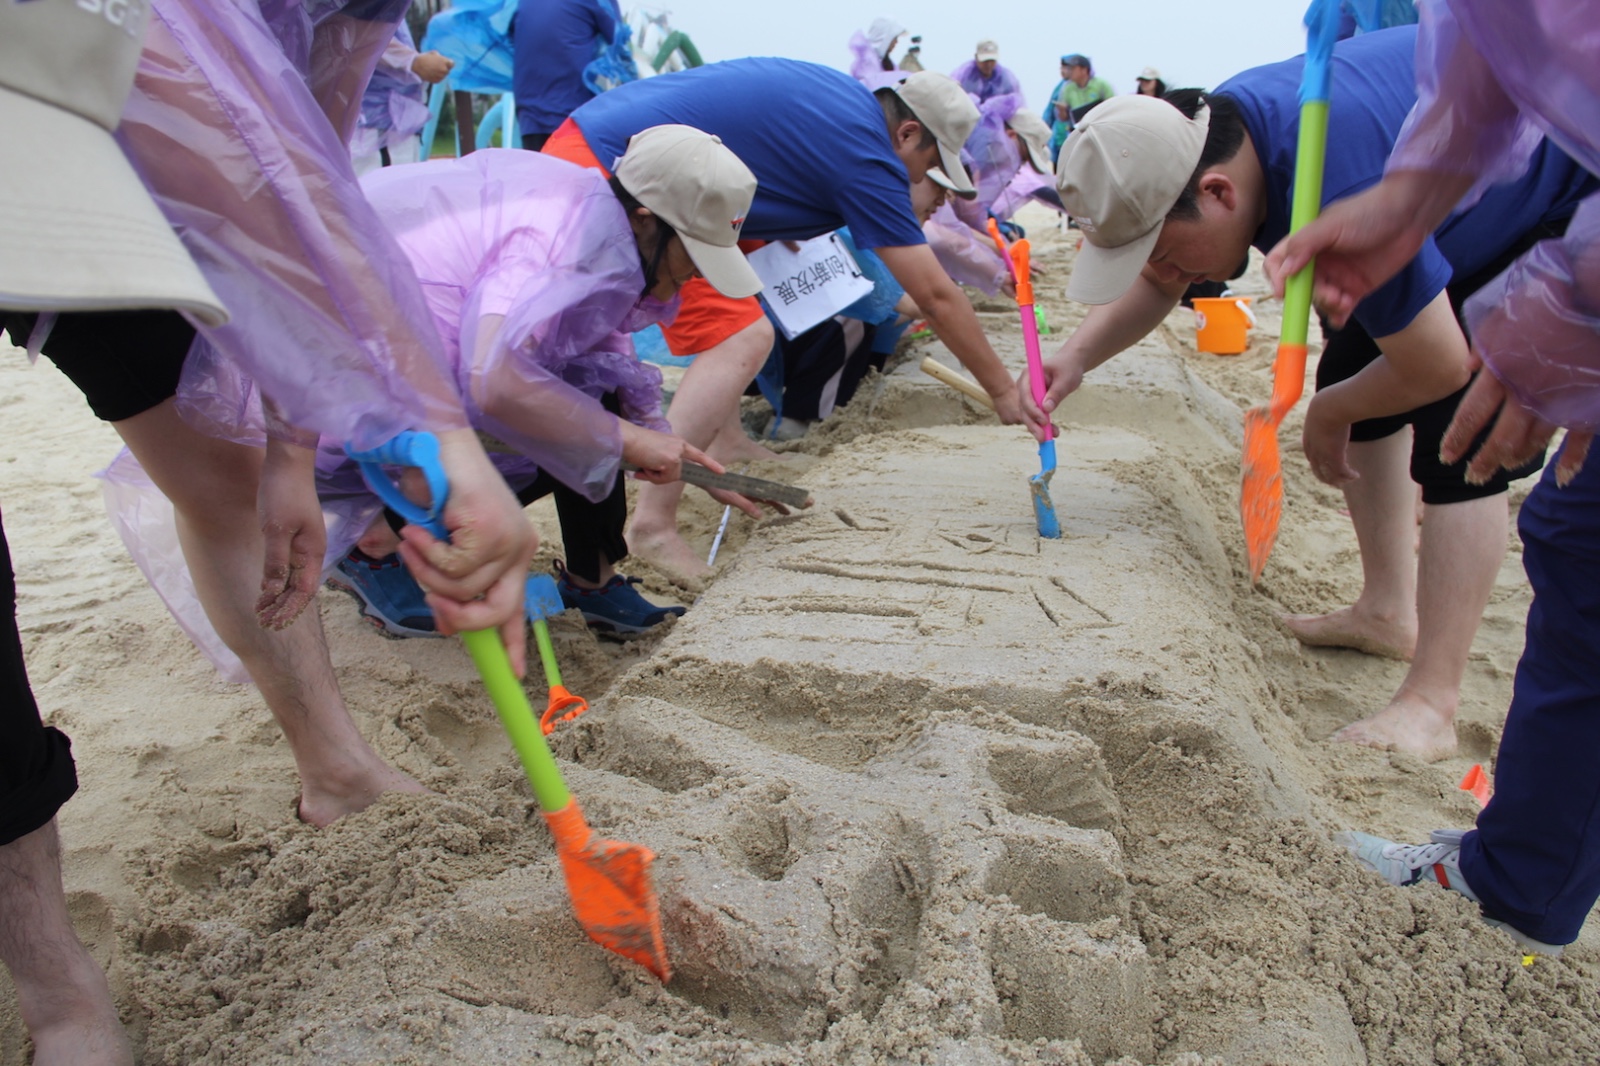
[{"x": 924, "y": 788}]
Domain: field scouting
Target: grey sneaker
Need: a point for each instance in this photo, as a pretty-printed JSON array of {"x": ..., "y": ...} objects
[{"x": 1439, "y": 861}]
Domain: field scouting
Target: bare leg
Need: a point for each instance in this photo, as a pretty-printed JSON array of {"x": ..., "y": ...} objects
[
  {"x": 704, "y": 410},
  {"x": 61, "y": 991},
  {"x": 1383, "y": 620},
  {"x": 1462, "y": 547},
  {"x": 212, "y": 486}
]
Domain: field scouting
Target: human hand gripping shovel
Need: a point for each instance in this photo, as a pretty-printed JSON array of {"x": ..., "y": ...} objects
[
  {"x": 1017, "y": 259},
  {"x": 607, "y": 880},
  {"x": 1261, "y": 491}
]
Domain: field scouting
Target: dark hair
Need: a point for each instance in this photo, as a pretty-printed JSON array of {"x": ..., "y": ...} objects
[
  {"x": 1224, "y": 138},
  {"x": 895, "y": 112},
  {"x": 664, "y": 232}
]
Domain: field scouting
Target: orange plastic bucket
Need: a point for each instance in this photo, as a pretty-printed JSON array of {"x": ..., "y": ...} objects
[{"x": 1222, "y": 323}]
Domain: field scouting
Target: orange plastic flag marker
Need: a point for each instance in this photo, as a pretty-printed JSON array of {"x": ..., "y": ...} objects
[{"x": 1477, "y": 782}]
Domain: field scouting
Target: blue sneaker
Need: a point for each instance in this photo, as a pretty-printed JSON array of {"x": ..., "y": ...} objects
[
  {"x": 615, "y": 607},
  {"x": 390, "y": 596}
]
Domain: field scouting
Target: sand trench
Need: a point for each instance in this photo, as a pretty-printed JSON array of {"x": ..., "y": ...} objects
[{"x": 924, "y": 788}]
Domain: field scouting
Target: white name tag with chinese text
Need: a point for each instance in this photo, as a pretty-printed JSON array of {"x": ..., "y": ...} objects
[{"x": 810, "y": 285}]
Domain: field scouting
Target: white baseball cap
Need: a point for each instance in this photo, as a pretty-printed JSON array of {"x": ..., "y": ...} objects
[
  {"x": 946, "y": 111},
  {"x": 986, "y": 50},
  {"x": 703, "y": 191},
  {"x": 1119, "y": 174},
  {"x": 79, "y": 230},
  {"x": 1035, "y": 137},
  {"x": 1149, "y": 74}
]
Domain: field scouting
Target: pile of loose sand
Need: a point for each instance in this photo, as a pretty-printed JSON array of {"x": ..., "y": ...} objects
[{"x": 924, "y": 787}]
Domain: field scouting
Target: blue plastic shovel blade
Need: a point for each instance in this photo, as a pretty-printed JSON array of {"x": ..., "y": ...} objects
[
  {"x": 1044, "y": 508},
  {"x": 544, "y": 599}
]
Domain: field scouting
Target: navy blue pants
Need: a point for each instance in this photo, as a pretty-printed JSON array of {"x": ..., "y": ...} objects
[{"x": 1534, "y": 860}]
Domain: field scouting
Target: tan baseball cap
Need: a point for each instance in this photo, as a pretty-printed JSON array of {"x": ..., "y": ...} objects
[
  {"x": 1035, "y": 136},
  {"x": 946, "y": 111},
  {"x": 79, "y": 230},
  {"x": 1149, "y": 74},
  {"x": 1119, "y": 174},
  {"x": 986, "y": 50},
  {"x": 702, "y": 190}
]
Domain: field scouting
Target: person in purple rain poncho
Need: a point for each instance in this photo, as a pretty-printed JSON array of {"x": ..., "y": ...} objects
[
  {"x": 536, "y": 272},
  {"x": 237, "y": 124},
  {"x": 1009, "y": 159},
  {"x": 870, "y": 51},
  {"x": 984, "y": 77},
  {"x": 1493, "y": 78}
]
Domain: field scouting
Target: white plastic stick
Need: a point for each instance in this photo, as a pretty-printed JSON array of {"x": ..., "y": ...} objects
[{"x": 716, "y": 542}]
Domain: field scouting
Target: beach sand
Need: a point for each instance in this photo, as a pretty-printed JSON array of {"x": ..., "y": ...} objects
[{"x": 923, "y": 787}]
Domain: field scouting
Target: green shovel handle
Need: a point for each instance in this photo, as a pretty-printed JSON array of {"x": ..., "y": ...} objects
[
  {"x": 547, "y": 653},
  {"x": 1310, "y": 154},
  {"x": 522, "y": 725}
]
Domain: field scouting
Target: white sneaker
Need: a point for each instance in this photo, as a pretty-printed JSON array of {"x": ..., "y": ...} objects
[{"x": 1439, "y": 861}]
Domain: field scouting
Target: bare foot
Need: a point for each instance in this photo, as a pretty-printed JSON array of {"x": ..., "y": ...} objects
[
  {"x": 327, "y": 800},
  {"x": 76, "y": 1024},
  {"x": 91, "y": 1042},
  {"x": 672, "y": 557},
  {"x": 1409, "y": 724},
  {"x": 731, "y": 448},
  {"x": 1345, "y": 628}
]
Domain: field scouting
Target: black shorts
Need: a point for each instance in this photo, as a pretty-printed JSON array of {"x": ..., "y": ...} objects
[
  {"x": 124, "y": 362},
  {"x": 1346, "y": 352},
  {"x": 37, "y": 774}
]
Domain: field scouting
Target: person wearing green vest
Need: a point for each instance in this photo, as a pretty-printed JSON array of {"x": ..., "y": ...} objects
[{"x": 1078, "y": 89}]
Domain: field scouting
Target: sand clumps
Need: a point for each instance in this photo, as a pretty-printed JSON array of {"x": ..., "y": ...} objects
[{"x": 924, "y": 789}]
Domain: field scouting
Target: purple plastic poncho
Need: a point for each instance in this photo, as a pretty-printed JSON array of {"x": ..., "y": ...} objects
[
  {"x": 971, "y": 79},
  {"x": 990, "y": 150},
  {"x": 1493, "y": 76},
  {"x": 867, "y": 52},
  {"x": 968, "y": 257},
  {"x": 1027, "y": 185},
  {"x": 531, "y": 273},
  {"x": 394, "y": 108},
  {"x": 530, "y": 270},
  {"x": 237, "y": 123}
]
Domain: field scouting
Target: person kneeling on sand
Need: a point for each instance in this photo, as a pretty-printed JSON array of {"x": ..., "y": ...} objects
[
  {"x": 1172, "y": 191},
  {"x": 536, "y": 272},
  {"x": 826, "y": 153}
]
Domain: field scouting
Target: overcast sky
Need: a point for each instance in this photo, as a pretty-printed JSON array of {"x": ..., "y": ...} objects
[{"x": 1190, "y": 43}]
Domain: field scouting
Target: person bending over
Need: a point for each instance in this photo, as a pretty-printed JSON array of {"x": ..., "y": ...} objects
[
  {"x": 833, "y": 154},
  {"x": 536, "y": 272},
  {"x": 1213, "y": 174}
]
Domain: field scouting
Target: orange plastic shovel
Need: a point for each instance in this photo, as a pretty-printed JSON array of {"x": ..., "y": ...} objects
[
  {"x": 1261, "y": 491},
  {"x": 544, "y": 601},
  {"x": 609, "y": 881}
]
